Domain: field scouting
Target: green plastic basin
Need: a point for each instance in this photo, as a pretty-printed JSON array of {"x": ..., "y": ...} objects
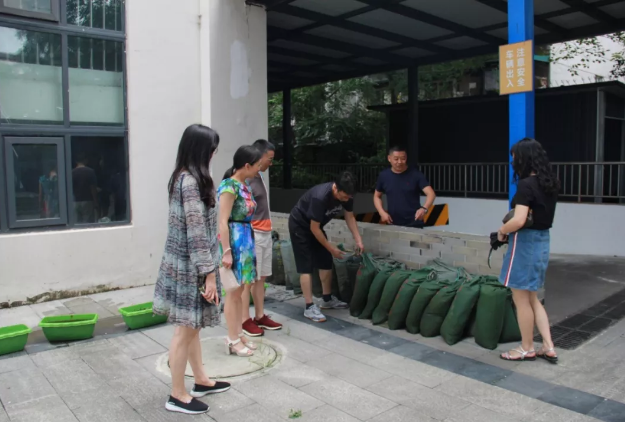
[
  {"x": 141, "y": 316},
  {"x": 69, "y": 327},
  {"x": 13, "y": 338}
]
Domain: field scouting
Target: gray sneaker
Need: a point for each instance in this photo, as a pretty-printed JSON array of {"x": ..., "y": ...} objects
[
  {"x": 334, "y": 303},
  {"x": 314, "y": 314}
]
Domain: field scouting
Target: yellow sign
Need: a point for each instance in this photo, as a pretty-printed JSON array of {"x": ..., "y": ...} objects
[{"x": 516, "y": 68}]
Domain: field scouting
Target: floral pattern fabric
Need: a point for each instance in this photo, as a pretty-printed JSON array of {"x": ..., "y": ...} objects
[{"x": 241, "y": 233}]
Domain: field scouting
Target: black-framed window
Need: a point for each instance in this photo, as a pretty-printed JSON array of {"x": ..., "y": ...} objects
[
  {"x": 40, "y": 9},
  {"x": 63, "y": 118}
]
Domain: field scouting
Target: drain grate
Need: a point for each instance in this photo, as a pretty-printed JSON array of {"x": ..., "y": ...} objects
[{"x": 579, "y": 328}]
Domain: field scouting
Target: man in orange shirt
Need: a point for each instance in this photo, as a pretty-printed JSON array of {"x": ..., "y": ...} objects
[{"x": 261, "y": 223}]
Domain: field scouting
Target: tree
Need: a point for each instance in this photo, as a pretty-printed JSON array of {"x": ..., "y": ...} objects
[{"x": 591, "y": 51}]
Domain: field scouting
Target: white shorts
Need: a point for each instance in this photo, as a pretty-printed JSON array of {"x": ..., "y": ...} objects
[{"x": 264, "y": 253}]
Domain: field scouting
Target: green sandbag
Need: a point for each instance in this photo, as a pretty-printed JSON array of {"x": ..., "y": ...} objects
[
  {"x": 460, "y": 313},
  {"x": 437, "y": 310},
  {"x": 399, "y": 311},
  {"x": 491, "y": 308},
  {"x": 420, "y": 301},
  {"x": 277, "y": 276},
  {"x": 375, "y": 292},
  {"x": 290, "y": 270},
  {"x": 342, "y": 280},
  {"x": 364, "y": 277},
  {"x": 391, "y": 288},
  {"x": 353, "y": 265},
  {"x": 510, "y": 332}
]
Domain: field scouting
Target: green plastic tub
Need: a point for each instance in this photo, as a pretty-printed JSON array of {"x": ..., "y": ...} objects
[
  {"x": 141, "y": 316},
  {"x": 69, "y": 327},
  {"x": 13, "y": 338}
]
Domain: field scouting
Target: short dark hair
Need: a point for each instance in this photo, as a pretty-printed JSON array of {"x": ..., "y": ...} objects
[
  {"x": 346, "y": 182},
  {"x": 397, "y": 148},
  {"x": 264, "y": 146}
]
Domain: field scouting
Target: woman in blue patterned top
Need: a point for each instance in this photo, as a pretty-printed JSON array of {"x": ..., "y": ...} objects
[
  {"x": 187, "y": 288},
  {"x": 236, "y": 236}
]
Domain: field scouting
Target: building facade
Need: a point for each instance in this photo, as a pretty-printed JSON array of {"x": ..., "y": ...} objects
[{"x": 94, "y": 96}]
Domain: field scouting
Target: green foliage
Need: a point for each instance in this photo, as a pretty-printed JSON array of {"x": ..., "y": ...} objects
[
  {"x": 591, "y": 52},
  {"x": 295, "y": 414}
]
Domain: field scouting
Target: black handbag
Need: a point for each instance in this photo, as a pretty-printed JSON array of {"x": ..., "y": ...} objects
[{"x": 495, "y": 243}]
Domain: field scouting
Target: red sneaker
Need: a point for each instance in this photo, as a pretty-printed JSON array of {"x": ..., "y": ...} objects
[
  {"x": 251, "y": 328},
  {"x": 268, "y": 324}
]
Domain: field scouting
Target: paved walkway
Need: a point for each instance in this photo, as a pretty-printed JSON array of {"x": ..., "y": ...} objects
[{"x": 343, "y": 370}]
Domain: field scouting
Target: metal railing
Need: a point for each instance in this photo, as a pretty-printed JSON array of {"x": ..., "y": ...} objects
[{"x": 602, "y": 182}]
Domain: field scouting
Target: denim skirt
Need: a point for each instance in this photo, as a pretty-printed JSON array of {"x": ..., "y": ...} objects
[{"x": 525, "y": 262}]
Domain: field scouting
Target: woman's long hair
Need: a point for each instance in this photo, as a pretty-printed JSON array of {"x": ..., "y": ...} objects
[
  {"x": 247, "y": 154},
  {"x": 196, "y": 149},
  {"x": 530, "y": 157}
]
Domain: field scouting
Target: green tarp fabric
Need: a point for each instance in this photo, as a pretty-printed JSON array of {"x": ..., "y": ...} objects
[
  {"x": 436, "y": 311},
  {"x": 290, "y": 271},
  {"x": 510, "y": 332},
  {"x": 391, "y": 288},
  {"x": 399, "y": 311},
  {"x": 277, "y": 267},
  {"x": 489, "y": 318},
  {"x": 460, "y": 312},
  {"x": 375, "y": 292},
  {"x": 365, "y": 275},
  {"x": 427, "y": 290}
]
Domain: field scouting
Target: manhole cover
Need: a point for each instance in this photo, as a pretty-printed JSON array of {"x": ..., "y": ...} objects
[{"x": 219, "y": 365}]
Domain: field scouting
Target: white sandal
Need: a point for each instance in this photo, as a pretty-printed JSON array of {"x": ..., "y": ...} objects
[
  {"x": 249, "y": 344},
  {"x": 244, "y": 353},
  {"x": 523, "y": 355}
]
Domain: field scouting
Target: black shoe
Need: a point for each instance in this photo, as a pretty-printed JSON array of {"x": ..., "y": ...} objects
[
  {"x": 202, "y": 390},
  {"x": 194, "y": 407}
]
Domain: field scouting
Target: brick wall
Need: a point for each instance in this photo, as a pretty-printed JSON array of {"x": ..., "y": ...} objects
[{"x": 413, "y": 247}]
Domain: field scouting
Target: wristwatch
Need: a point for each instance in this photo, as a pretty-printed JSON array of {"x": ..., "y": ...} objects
[{"x": 425, "y": 209}]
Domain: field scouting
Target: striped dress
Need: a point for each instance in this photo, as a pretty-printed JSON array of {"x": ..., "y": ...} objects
[{"x": 191, "y": 252}]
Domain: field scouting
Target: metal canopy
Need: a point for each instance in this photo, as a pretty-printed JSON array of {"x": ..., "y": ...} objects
[{"x": 316, "y": 41}]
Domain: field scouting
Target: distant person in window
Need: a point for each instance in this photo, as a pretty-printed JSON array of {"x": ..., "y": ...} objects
[
  {"x": 403, "y": 186},
  {"x": 527, "y": 257},
  {"x": 49, "y": 194},
  {"x": 187, "y": 289},
  {"x": 117, "y": 188},
  {"x": 85, "y": 186}
]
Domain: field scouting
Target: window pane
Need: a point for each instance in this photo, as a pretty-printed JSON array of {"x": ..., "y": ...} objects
[
  {"x": 99, "y": 179},
  {"x": 36, "y": 182},
  {"x": 106, "y": 14},
  {"x": 41, "y": 6},
  {"x": 96, "y": 82},
  {"x": 30, "y": 77}
]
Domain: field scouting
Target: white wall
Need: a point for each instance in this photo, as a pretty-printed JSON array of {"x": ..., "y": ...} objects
[
  {"x": 182, "y": 69},
  {"x": 163, "y": 98}
]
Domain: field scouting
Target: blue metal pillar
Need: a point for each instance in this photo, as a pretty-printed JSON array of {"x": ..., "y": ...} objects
[{"x": 520, "y": 28}]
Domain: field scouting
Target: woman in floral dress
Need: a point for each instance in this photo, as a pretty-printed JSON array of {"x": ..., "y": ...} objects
[
  {"x": 236, "y": 209},
  {"x": 187, "y": 285}
]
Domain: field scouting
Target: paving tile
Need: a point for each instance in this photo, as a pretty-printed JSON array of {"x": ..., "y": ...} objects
[
  {"x": 300, "y": 330},
  {"x": 3, "y": 414},
  {"x": 161, "y": 334},
  {"x": 45, "y": 409},
  {"x": 609, "y": 411},
  {"x": 524, "y": 384},
  {"x": 51, "y": 308},
  {"x": 301, "y": 350},
  {"x": 137, "y": 345},
  {"x": 114, "y": 365},
  {"x": 418, "y": 372},
  {"x": 326, "y": 413},
  {"x": 16, "y": 362},
  {"x": 490, "y": 397},
  {"x": 352, "y": 349},
  {"x": 277, "y": 396},
  {"x": 549, "y": 413},
  {"x": 384, "y": 341},
  {"x": 115, "y": 409},
  {"x": 158, "y": 413},
  {"x": 226, "y": 402},
  {"x": 91, "y": 308},
  {"x": 150, "y": 363},
  {"x": 424, "y": 400},
  {"x": 349, "y": 370},
  {"x": 71, "y": 378},
  {"x": 483, "y": 372},
  {"x": 253, "y": 413},
  {"x": 348, "y": 398},
  {"x": 402, "y": 414},
  {"x": 139, "y": 390},
  {"x": 414, "y": 351},
  {"x": 19, "y": 315},
  {"x": 297, "y": 374},
  {"x": 568, "y": 398},
  {"x": 81, "y": 398},
  {"x": 476, "y": 413},
  {"x": 31, "y": 384}
]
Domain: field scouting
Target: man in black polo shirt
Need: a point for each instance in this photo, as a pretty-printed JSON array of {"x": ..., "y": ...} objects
[
  {"x": 310, "y": 244},
  {"x": 403, "y": 186}
]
